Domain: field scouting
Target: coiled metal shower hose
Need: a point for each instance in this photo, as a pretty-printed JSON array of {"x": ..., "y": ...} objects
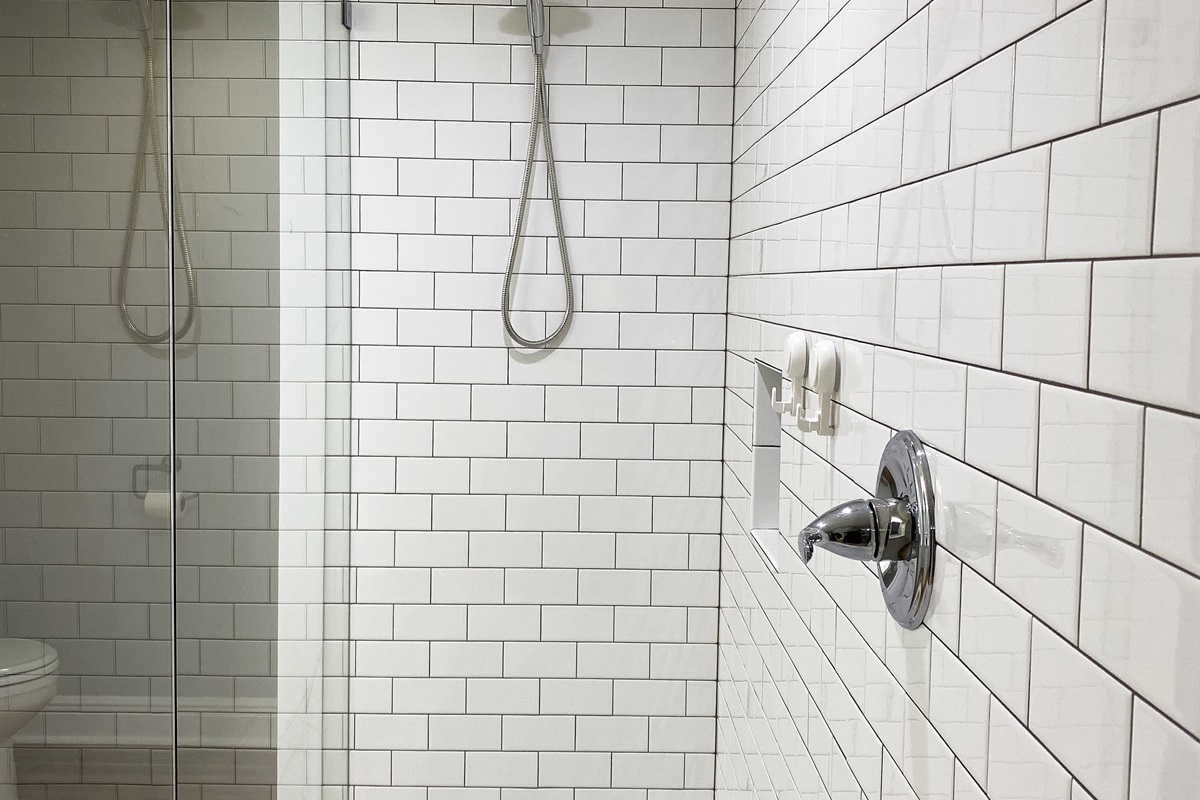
[
  {"x": 539, "y": 118},
  {"x": 149, "y": 128}
]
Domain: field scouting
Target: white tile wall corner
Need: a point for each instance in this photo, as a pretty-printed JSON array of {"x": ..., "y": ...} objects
[
  {"x": 1022, "y": 292},
  {"x": 536, "y": 541}
]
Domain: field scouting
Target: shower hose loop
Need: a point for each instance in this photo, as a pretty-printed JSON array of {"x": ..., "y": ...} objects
[
  {"x": 149, "y": 129},
  {"x": 540, "y": 118}
]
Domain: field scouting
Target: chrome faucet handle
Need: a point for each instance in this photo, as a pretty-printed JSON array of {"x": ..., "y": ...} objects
[
  {"x": 893, "y": 530},
  {"x": 864, "y": 530}
]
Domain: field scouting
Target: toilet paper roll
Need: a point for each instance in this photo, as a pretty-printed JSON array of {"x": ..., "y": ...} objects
[{"x": 158, "y": 505}]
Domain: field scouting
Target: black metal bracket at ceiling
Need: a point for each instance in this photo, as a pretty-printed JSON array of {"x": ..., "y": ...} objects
[{"x": 347, "y": 16}]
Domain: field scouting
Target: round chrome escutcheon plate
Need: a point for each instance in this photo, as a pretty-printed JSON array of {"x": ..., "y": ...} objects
[{"x": 908, "y": 584}]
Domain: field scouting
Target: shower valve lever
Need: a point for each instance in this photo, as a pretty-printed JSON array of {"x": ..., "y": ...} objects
[{"x": 864, "y": 530}]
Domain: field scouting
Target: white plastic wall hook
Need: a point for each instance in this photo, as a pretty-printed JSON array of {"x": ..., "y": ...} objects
[
  {"x": 783, "y": 403},
  {"x": 822, "y": 379},
  {"x": 795, "y": 366},
  {"x": 795, "y": 356}
]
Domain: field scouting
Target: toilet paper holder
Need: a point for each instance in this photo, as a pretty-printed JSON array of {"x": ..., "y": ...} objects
[{"x": 141, "y": 480}]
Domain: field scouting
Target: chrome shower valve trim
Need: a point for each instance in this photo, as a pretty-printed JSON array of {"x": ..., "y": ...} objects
[{"x": 894, "y": 530}]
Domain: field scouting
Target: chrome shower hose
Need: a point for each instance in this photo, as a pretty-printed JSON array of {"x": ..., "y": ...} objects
[
  {"x": 540, "y": 118},
  {"x": 149, "y": 129}
]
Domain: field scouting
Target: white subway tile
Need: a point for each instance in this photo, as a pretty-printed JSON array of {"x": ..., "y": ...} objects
[
  {"x": 661, "y": 105},
  {"x": 967, "y": 513},
  {"x": 1010, "y": 207},
  {"x": 965, "y": 788},
  {"x": 624, "y": 66},
  {"x": 1165, "y": 760},
  {"x": 604, "y": 26},
  {"x": 1002, "y": 426},
  {"x": 906, "y": 57},
  {"x": 471, "y": 733},
  {"x": 428, "y": 768},
  {"x": 899, "y": 226},
  {"x": 1005, "y": 21},
  {"x": 395, "y": 61},
  {"x": 693, "y": 66},
  {"x": 576, "y": 696},
  {"x": 994, "y": 642},
  {"x": 1046, "y": 313},
  {"x": 972, "y": 305},
  {"x": 947, "y": 218},
  {"x": 574, "y": 769},
  {"x": 1148, "y": 60},
  {"x": 502, "y": 696},
  {"x": 1018, "y": 765},
  {"x": 662, "y": 27},
  {"x": 1089, "y": 458},
  {"x": 612, "y": 734},
  {"x": 1170, "y": 506},
  {"x": 1128, "y": 600},
  {"x": 1177, "y": 203},
  {"x": 1101, "y": 191},
  {"x": 1082, "y": 713},
  {"x": 1057, "y": 85},
  {"x": 954, "y": 37},
  {"x": 926, "y": 135},
  {"x": 391, "y": 731},
  {"x": 1141, "y": 335},
  {"x": 1038, "y": 558},
  {"x": 918, "y": 308},
  {"x": 959, "y": 707},
  {"x": 937, "y": 412},
  {"x": 433, "y": 23}
]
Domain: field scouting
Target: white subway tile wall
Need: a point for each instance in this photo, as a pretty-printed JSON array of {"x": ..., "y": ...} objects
[
  {"x": 535, "y": 554},
  {"x": 991, "y": 207}
]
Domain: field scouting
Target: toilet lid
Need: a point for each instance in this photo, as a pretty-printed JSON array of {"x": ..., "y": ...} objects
[{"x": 24, "y": 660}]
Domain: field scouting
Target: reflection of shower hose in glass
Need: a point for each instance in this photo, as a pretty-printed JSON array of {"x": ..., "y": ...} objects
[
  {"x": 541, "y": 119},
  {"x": 149, "y": 129}
]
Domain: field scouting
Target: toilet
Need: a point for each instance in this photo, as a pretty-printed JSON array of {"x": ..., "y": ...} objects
[{"x": 28, "y": 681}]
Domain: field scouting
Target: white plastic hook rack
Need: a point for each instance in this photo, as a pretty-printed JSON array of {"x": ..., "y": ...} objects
[
  {"x": 794, "y": 368},
  {"x": 822, "y": 380},
  {"x": 810, "y": 366}
]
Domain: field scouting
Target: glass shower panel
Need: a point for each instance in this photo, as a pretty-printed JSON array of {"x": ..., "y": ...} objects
[
  {"x": 256, "y": 141},
  {"x": 85, "y": 451},
  {"x": 173, "y": 495},
  {"x": 173, "y": 500},
  {"x": 226, "y": 394}
]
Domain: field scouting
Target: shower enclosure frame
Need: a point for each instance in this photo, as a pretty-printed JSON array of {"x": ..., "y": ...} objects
[{"x": 306, "y": 71}]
